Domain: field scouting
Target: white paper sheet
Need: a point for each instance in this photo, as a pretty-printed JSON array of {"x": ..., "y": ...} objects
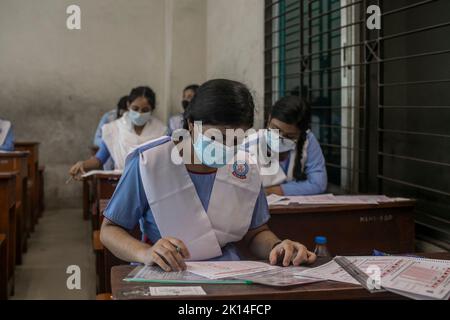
[
  {"x": 227, "y": 269},
  {"x": 102, "y": 172},
  {"x": 177, "y": 291},
  {"x": 280, "y": 277},
  {"x": 414, "y": 278}
]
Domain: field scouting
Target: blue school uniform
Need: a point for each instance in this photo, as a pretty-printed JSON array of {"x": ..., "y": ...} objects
[
  {"x": 175, "y": 123},
  {"x": 106, "y": 118},
  {"x": 8, "y": 144},
  {"x": 315, "y": 170},
  {"x": 129, "y": 205}
]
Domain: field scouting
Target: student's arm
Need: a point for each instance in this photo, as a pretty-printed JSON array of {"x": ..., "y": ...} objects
[
  {"x": 93, "y": 163},
  {"x": 264, "y": 244},
  {"x": 315, "y": 170},
  {"x": 8, "y": 145},
  {"x": 127, "y": 206}
]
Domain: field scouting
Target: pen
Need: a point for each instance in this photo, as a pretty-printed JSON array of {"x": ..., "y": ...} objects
[{"x": 69, "y": 180}]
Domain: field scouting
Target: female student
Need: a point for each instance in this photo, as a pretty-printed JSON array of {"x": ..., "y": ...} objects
[
  {"x": 110, "y": 116},
  {"x": 176, "y": 122},
  {"x": 121, "y": 136},
  {"x": 301, "y": 169},
  {"x": 196, "y": 208},
  {"x": 6, "y": 136}
]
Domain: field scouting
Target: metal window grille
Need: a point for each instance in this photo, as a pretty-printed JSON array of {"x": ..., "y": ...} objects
[{"x": 380, "y": 98}]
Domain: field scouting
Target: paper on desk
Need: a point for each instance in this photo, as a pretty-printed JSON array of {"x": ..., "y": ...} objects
[
  {"x": 329, "y": 199},
  {"x": 154, "y": 274},
  {"x": 280, "y": 277},
  {"x": 419, "y": 278},
  {"x": 415, "y": 278},
  {"x": 273, "y": 199},
  {"x": 227, "y": 269},
  {"x": 177, "y": 291},
  {"x": 102, "y": 172}
]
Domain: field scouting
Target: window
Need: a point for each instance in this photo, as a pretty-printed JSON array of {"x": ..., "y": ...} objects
[{"x": 380, "y": 98}]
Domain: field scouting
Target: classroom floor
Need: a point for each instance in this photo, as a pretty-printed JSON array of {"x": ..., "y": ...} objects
[{"x": 61, "y": 239}]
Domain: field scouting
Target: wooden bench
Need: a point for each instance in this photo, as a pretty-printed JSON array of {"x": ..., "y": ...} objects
[
  {"x": 41, "y": 198},
  {"x": 18, "y": 161},
  {"x": 3, "y": 268},
  {"x": 33, "y": 177},
  {"x": 8, "y": 222}
]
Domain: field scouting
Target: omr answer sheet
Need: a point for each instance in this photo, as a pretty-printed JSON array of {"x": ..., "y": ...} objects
[{"x": 415, "y": 278}]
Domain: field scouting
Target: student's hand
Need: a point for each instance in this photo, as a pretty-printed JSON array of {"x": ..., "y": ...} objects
[
  {"x": 274, "y": 190},
  {"x": 169, "y": 254},
  {"x": 291, "y": 252},
  {"x": 77, "y": 170}
]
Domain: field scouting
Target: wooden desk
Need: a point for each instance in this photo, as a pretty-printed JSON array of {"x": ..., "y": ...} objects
[
  {"x": 33, "y": 178},
  {"x": 350, "y": 229},
  {"x": 8, "y": 221},
  {"x": 327, "y": 290},
  {"x": 3, "y": 268},
  {"x": 103, "y": 189},
  {"x": 18, "y": 161}
]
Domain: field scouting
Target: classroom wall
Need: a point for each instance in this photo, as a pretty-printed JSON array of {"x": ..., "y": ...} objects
[
  {"x": 235, "y": 45},
  {"x": 55, "y": 84}
]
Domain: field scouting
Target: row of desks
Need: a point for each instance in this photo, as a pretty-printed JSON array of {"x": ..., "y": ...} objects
[
  {"x": 351, "y": 229},
  {"x": 21, "y": 204}
]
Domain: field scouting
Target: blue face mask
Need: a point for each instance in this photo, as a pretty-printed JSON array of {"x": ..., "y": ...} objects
[
  {"x": 139, "y": 119},
  {"x": 211, "y": 153}
]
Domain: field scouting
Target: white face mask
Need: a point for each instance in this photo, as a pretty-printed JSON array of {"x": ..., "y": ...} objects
[
  {"x": 278, "y": 143},
  {"x": 139, "y": 119}
]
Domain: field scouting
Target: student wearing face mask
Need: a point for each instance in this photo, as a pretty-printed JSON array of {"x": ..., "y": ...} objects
[
  {"x": 121, "y": 136},
  {"x": 301, "y": 169},
  {"x": 6, "y": 136},
  {"x": 176, "y": 122},
  {"x": 192, "y": 203}
]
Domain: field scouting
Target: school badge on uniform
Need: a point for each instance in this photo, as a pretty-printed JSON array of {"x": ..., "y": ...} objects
[{"x": 240, "y": 170}]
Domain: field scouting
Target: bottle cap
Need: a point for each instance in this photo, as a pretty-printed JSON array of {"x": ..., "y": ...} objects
[{"x": 321, "y": 240}]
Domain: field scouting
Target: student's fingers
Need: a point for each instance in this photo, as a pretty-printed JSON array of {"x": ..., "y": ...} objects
[
  {"x": 311, "y": 257},
  {"x": 160, "y": 262},
  {"x": 73, "y": 171},
  {"x": 273, "y": 256},
  {"x": 288, "y": 253},
  {"x": 301, "y": 256},
  {"x": 166, "y": 254},
  {"x": 76, "y": 170},
  {"x": 179, "y": 259},
  {"x": 180, "y": 244}
]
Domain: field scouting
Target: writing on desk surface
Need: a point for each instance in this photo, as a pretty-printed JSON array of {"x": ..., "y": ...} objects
[
  {"x": 226, "y": 309},
  {"x": 382, "y": 218}
]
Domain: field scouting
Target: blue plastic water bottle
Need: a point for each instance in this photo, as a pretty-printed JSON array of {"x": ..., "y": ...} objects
[{"x": 321, "y": 249}]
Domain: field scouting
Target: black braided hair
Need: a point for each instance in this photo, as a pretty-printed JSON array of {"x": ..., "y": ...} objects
[
  {"x": 295, "y": 111},
  {"x": 121, "y": 106}
]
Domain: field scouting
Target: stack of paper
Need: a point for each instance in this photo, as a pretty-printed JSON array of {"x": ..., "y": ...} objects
[
  {"x": 224, "y": 272},
  {"x": 414, "y": 278}
]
